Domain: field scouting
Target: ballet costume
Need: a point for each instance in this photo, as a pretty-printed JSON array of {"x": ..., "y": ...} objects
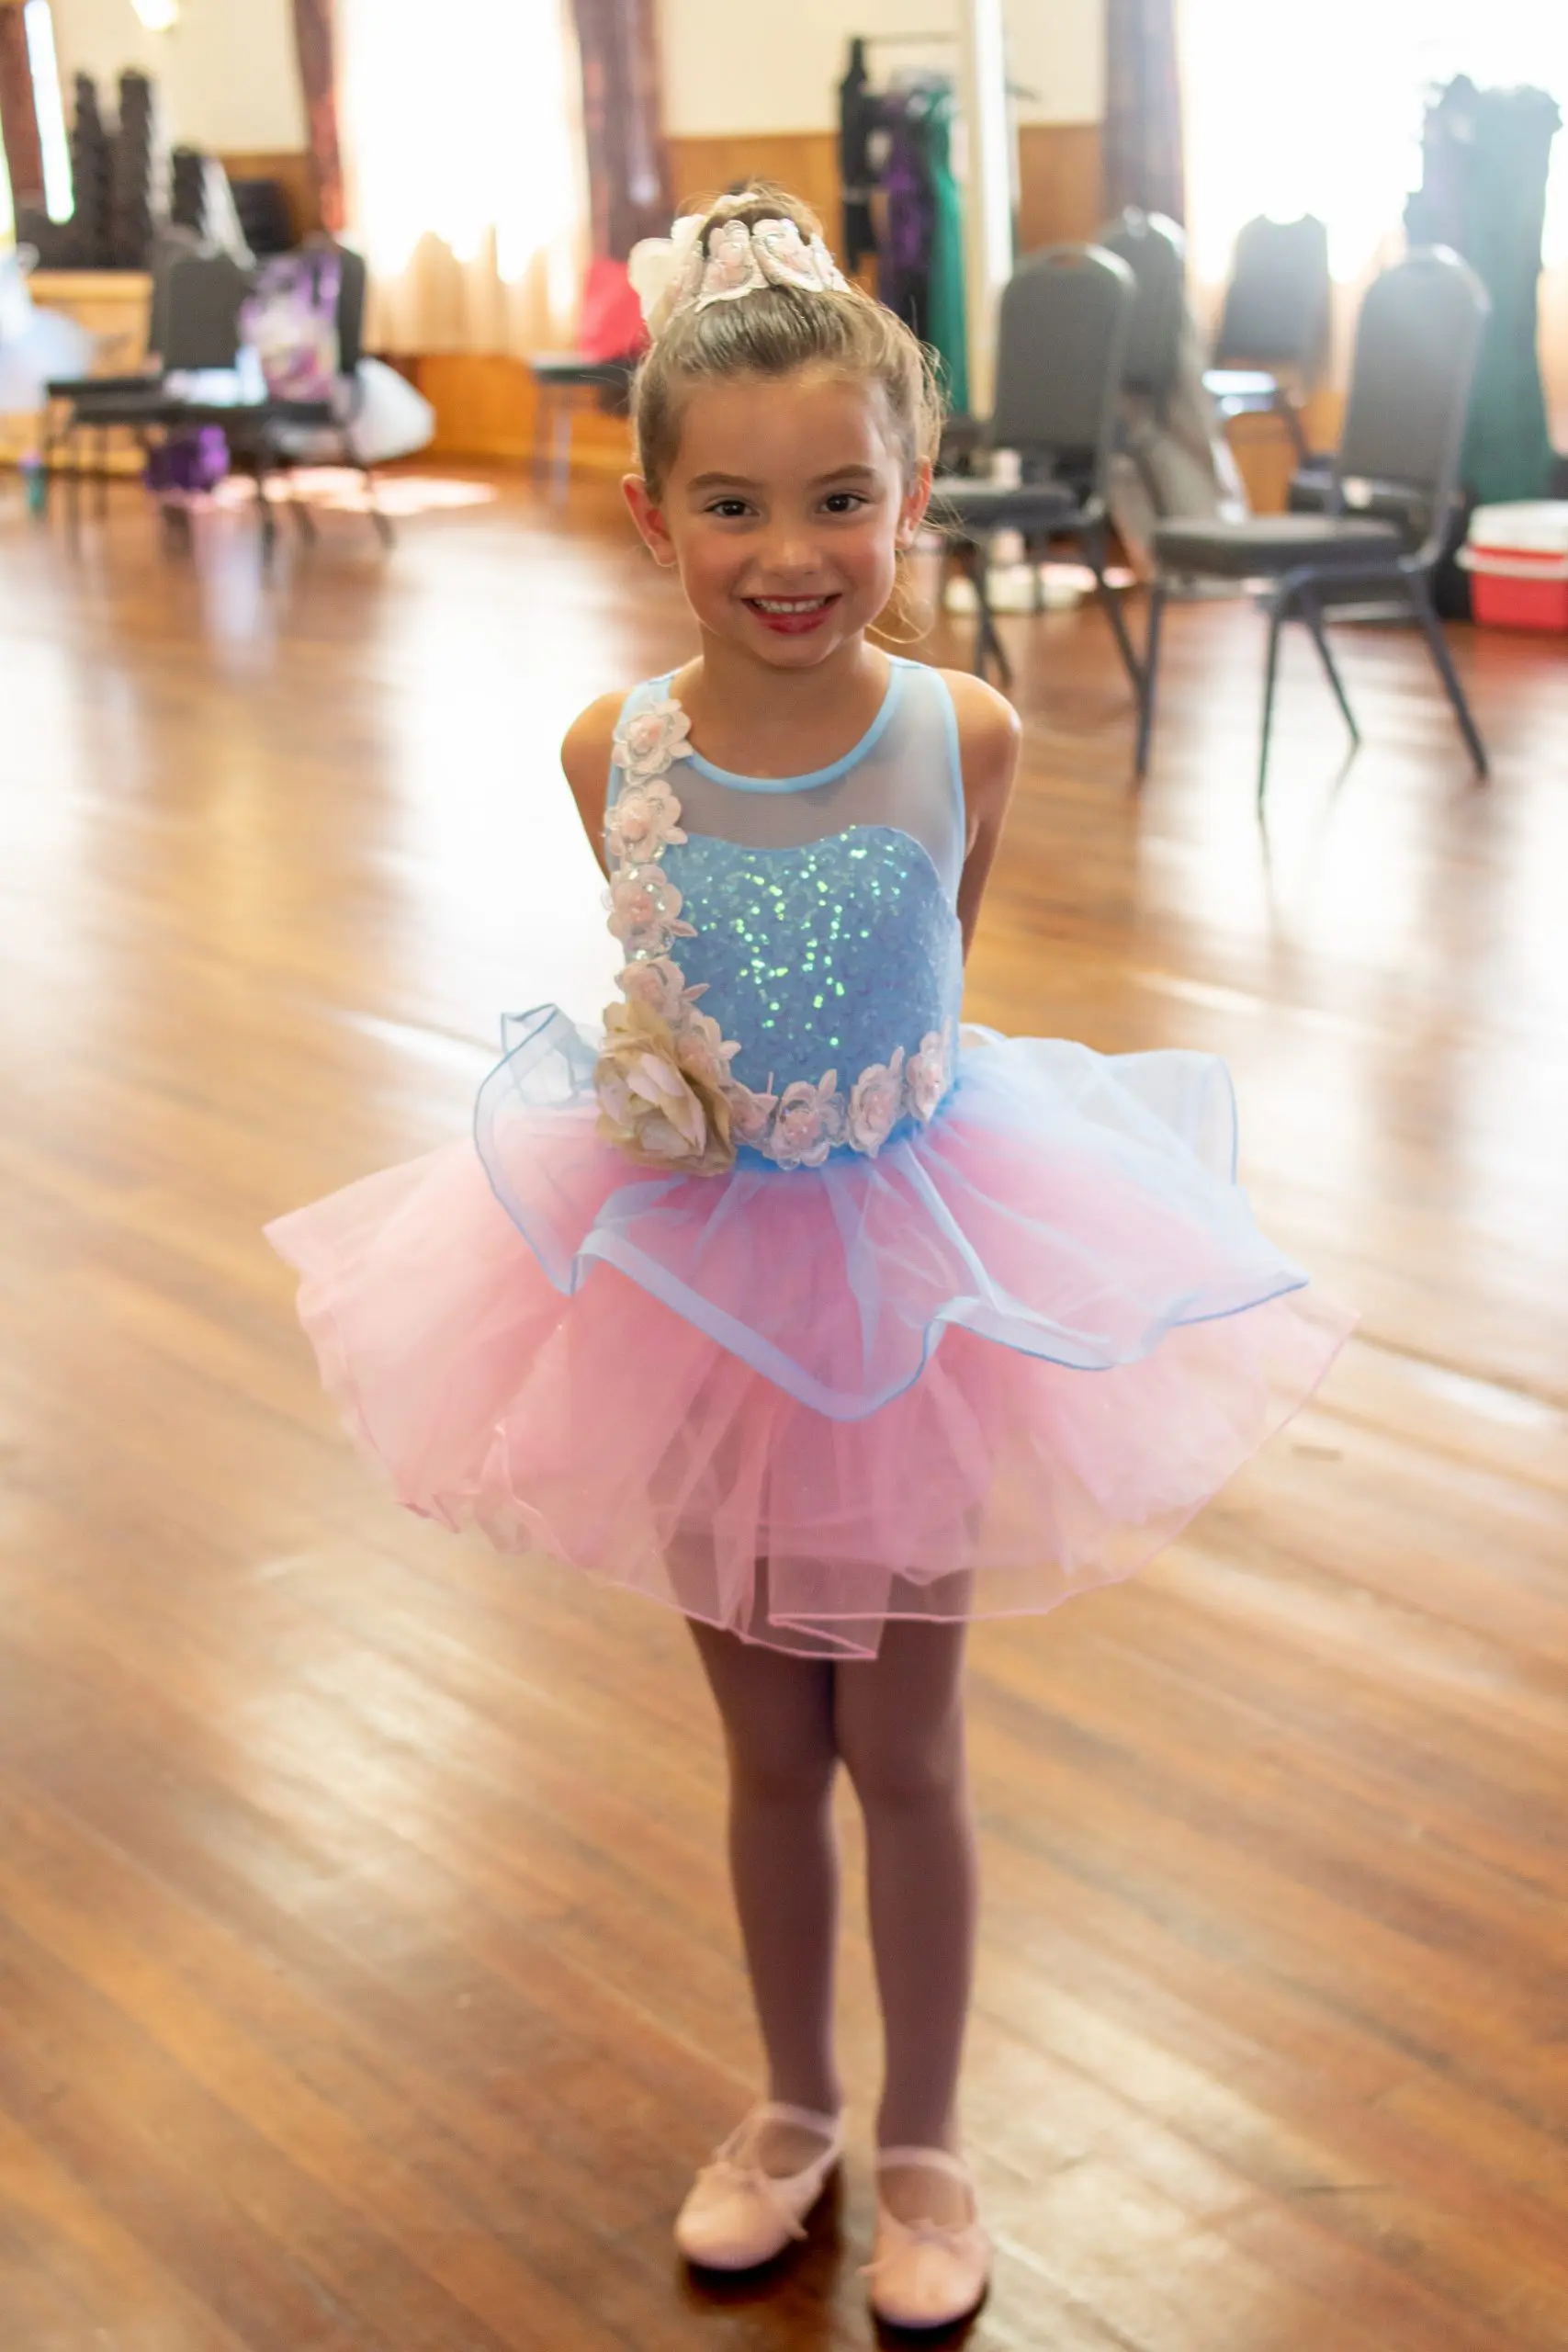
[{"x": 791, "y": 1302}]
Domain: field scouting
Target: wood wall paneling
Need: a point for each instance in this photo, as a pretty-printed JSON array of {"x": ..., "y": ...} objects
[
  {"x": 485, "y": 403},
  {"x": 1058, "y": 170},
  {"x": 484, "y": 407},
  {"x": 1058, "y": 184},
  {"x": 805, "y": 162},
  {"x": 296, "y": 172},
  {"x": 112, "y": 304}
]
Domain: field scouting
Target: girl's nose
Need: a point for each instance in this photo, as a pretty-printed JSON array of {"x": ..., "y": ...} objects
[{"x": 791, "y": 552}]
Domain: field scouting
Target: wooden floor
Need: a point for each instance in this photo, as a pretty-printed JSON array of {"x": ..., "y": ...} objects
[{"x": 366, "y": 1976}]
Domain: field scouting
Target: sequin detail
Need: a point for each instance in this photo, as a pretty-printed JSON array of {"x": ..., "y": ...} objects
[{"x": 808, "y": 952}]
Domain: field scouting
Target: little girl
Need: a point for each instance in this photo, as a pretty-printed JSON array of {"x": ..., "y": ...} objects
[{"x": 793, "y": 1304}]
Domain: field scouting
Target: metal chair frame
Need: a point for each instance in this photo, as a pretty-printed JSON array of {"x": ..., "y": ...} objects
[
  {"x": 192, "y": 323},
  {"x": 206, "y": 334},
  {"x": 1369, "y": 439},
  {"x": 1030, "y": 416},
  {"x": 1241, "y": 377}
]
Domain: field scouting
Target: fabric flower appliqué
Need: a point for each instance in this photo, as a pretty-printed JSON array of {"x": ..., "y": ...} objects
[
  {"x": 877, "y": 1098},
  {"x": 662, "y": 1082},
  {"x": 660, "y": 1100},
  {"x": 660, "y": 984},
  {"x": 750, "y": 1115},
  {"x": 730, "y": 268},
  {"x": 645, "y": 910},
  {"x": 644, "y": 822},
  {"x": 925, "y": 1074},
  {"x": 647, "y": 742},
  {"x": 809, "y": 1121}
]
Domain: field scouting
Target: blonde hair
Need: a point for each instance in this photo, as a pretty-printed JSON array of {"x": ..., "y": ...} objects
[{"x": 774, "y": 330}]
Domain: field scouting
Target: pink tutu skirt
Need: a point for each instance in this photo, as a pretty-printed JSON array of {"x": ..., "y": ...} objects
[{"x": 1004, "y": 1362}]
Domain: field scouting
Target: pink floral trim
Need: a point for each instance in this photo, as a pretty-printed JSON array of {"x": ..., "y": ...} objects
[
  {"x": 665, "y": 1090},
  {"x": 649, "y": 738}
]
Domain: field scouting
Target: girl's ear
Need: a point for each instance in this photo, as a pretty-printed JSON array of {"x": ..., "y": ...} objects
[
  {"x": 648, "y": 518},
  {"x": 912, "y": 508}
]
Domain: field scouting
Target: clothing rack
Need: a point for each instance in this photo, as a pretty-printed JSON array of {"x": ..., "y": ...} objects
[{"x": 930, "y": 40}]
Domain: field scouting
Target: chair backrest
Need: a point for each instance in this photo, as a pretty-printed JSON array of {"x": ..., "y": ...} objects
[
  {"x": 1276, "y": 305},
  {"x": 1061, "y": 342},
  {"x": 1418, "y": 339},
  {"x": 198, "y": 297},
  {"x": 169, "y": 244},
  {"x": 1156, "y": 251},
  {"x": 353, "y": 288}
]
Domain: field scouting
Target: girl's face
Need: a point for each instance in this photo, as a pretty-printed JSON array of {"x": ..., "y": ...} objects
[{"x": 784, "y": 510}]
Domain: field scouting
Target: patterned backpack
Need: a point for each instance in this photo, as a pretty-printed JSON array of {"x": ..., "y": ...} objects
[{"x": 289, "y": 320}]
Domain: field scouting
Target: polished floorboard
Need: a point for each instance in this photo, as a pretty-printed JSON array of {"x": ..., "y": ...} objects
[{"x": 367, "y": 1981}]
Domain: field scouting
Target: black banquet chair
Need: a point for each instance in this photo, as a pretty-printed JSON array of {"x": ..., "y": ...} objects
[
  {"x": 1273, "y": 327},
  {"x": 1061, "y": 342},
  {"x": 1417, "y": 341},
  {"x": 263, "y": 434},
  {"x": 1155, "y": 250},
  {"x": 193, "y": 324}
]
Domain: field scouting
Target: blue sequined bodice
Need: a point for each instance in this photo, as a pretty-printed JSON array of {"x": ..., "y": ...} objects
[
  {"x": 826, "y": 956},
  {"x": 796, "y": 936}
]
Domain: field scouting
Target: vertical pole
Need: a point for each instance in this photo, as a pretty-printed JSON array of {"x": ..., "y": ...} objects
[{"x": 988, "y": 184}]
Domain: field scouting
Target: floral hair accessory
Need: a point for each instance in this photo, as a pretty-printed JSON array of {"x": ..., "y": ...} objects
[{"x": 679, "y": 272}]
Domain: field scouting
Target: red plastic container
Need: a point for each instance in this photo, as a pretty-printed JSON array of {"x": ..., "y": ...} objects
[{"x": 1518, "y": 561}]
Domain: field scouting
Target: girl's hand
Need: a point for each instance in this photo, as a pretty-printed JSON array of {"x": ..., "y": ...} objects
[{"x": 988, "y": 736}]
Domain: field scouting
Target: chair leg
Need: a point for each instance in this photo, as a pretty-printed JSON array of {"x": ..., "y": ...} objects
[
  {"x": 1287, "y": 408},
  {"x": 304, "y": 521},
  {"x": 380, "y": 521},
  {"x": 1278, "y": 607},
  {"x": 1150, "y": 669},
  {"x": 1421, "y": 597},
  {"x": 1312, "y": 613},
  {"x": 541, "y": 434},
  {"x": 1111, "y": 601},
  {"x": 73, "y": 483},
  {"x": 560, "y": 463},
  {"x": 267, "y": 518},
  {"x": 988, "y": 642}
]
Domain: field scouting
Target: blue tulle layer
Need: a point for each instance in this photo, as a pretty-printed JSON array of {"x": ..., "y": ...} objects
[{"x": 1074, "y": 1207}]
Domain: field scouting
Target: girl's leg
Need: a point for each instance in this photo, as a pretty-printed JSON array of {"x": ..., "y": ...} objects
[
  {"x": 777, "y": 1713},
  {"x": 899, "y": 1727}
]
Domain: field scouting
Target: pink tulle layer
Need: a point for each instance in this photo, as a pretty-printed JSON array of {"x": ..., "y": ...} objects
[{"x": 1004, "y": 1362}]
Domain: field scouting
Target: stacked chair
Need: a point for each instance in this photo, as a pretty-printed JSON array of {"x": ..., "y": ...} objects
[{"x": 1061, "y": 353}]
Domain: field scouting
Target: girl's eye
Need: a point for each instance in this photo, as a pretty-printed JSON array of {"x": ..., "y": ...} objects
[
  {"x": 844, "y": 502},
  {"x": 726, "y": 509}
]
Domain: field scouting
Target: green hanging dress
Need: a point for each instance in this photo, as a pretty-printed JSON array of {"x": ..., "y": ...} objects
[{"x": 947, "y": 312}]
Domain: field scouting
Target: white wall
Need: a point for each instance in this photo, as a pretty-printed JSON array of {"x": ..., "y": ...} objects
[
  {"x": 226, "y": 74},
  {"x": 742, "y": 70}
]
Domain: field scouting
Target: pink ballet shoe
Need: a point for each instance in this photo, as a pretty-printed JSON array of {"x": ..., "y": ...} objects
[
  {"x": 736, "y": 2214},
  {"x": 927, "y": 2274}
]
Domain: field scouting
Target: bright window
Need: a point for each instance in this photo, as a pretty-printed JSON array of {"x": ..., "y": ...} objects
[
  {"x": 58, "y": 196},
  {"x": 458, "y": 120},
  {"x": 1319, "y": 109}
]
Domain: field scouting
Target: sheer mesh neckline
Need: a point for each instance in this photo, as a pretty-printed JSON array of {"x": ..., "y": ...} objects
[{"x": 813, "y": 776}]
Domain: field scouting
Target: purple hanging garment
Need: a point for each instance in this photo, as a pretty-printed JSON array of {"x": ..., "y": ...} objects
[{"x": 904, "y": 273}]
